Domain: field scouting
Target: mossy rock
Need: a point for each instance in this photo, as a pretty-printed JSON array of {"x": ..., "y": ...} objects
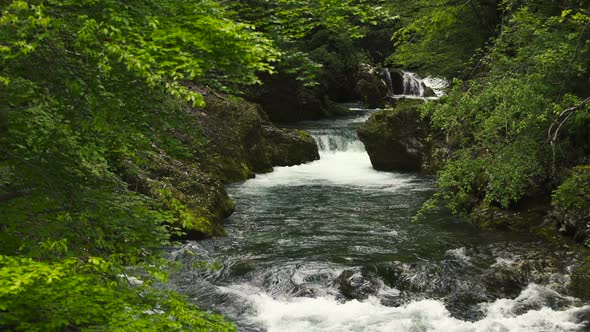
[
  {"x": 372, "y": 90},
  {"x": 580, "y": 282},
  {"x": 288, "y": 147},
  {"x": 227, "y": 141},
  {"x": 244, "y": 143},
  {"x": 397, "y": 139}
]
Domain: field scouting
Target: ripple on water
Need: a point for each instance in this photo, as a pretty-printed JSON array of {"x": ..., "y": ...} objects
[{"x": 329, "y": 246}]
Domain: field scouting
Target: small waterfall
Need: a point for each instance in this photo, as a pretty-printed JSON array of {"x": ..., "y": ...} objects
[
  {"x": 413, "y": 85},
  {"x": 338, "y": 142},
  {"x": 405, "y": 84},
  {"x": 389, "y": 82}
]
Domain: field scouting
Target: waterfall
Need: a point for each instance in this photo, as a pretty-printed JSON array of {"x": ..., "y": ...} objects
[
  {"x": 338, "y": 142},
  {"x": 405, "y": 84},
  {"x": 389, "y": 82},
  {"x": 413, "y": 85}
]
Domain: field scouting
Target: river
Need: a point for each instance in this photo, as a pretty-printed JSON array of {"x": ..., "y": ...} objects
[{"x": 330, "y": 246}]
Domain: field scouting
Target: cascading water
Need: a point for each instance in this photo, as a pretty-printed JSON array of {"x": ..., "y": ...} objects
[
  {"x": 405, "y": 84},
  {"x": 413, "y": 86},
  {"x": 329, "y": 246}
]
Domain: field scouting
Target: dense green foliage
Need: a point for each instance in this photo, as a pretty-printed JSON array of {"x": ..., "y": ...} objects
[
  {"x": 95, "y": 103},
  {"x": 441, "y": 36},
  {"x": 513, "y": 127},
  {"x": 103, "y": 147},
  {"x": 292, "y": 24}
]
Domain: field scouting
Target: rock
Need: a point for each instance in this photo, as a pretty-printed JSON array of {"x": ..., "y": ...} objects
[
  {"x": 227, "y": 141},
  {"x": 580, "y": 281},
  {"x": 246, "y": 143},
  {"x": 396, "y": 139},
  {"x": 372, "y": 90},
  {"x": 289, "y": 147},
  {"x": 353, "y": 285},
  {"x": 397, "y": 81},
  {"x": 428, "y": 92}
]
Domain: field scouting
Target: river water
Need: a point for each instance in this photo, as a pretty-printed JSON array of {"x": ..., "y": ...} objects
[{"x": 329, "y": 246}]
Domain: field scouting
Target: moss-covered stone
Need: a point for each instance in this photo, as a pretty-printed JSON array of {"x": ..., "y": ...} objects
[
  {"x": 580, "y": 282},
  {"x": 227, "y": 141},
  {"x": 397, "y": 139},
  {"x": 372, "y": 90}
]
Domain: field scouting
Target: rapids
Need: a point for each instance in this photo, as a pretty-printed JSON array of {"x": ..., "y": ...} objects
[{"x": 329, "y": 246}]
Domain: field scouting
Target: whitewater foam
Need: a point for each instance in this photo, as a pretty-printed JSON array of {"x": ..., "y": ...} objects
[{"x": 328, "y": 314}]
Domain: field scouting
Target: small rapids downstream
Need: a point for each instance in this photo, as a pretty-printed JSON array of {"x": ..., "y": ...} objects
[{"x": 329, "y": 246}]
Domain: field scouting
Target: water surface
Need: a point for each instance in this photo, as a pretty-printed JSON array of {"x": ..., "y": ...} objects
[{"x": 329, "y": 246}]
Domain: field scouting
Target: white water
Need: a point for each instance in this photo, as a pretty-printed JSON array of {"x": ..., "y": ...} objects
[
  {"x": 344, "y": 163},
  {"x": 414, "y": 86},
  {"x": 327, "y": 314}
]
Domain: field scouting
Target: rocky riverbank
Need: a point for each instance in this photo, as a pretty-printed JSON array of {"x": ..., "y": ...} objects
[{"x": 228, "y": 141}]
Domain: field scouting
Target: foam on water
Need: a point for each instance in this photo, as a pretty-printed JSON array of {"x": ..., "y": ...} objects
[
  {"x": 343, "y": 162},
  {"x": 351, "y": 168},
  {"x": 328, "y": 314},
  {"x": 295, "y": 255}
]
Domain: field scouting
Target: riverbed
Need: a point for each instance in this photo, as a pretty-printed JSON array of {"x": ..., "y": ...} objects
[{"x": 330, "y": 246}]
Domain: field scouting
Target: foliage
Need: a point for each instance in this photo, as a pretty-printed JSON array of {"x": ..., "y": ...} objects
[
  {"x": 574, "y": 192},
  {"x": 72, "y": 294},
  {"x": 93, "y": 97},
  {"x": 292, "y": 24},
  {"x": 441, "y": 36},
  {"x": 497, "y": 124}
]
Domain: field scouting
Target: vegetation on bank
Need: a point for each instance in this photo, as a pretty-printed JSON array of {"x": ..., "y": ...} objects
[
  {"x": 117, "y": 132},
  {"x": 521, "y": 118},
  {"x": 108, "y": 151}
]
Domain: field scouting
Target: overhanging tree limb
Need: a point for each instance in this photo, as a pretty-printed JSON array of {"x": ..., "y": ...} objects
[{"x": 555, "y": 128}]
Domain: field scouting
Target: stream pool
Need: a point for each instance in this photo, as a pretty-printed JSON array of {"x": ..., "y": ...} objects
[{"x": 329, "y": 246}]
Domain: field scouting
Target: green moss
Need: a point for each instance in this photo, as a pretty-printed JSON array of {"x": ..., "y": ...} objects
[
  {"x": 580, "y": 283},
  {"x": 397, "y": 139}
]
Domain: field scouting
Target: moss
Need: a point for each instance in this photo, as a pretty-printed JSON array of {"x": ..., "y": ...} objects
[
  {"x": 397, "y": 139},
  {"x": 574, "y": 192},
  {"x": 580, "y": 282},
  {"x": 226, "y": 142}
]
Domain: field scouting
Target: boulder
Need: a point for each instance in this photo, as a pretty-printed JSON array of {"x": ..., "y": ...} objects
[
  {"x": 372, "y": 90},
  {"x": 287, "y": 147},
  {"x": 354, "y": 285},
  {"x": 397, "y": 81},
  {"x": 396, "y": 139},
  {"x": 428, "y": 92}
]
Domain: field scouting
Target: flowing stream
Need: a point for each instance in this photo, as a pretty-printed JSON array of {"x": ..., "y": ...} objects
[{"x": 329, "y": 246}]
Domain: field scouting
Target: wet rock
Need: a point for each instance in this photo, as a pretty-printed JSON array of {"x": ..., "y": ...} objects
[
  {"x": 372, "y": 89},
  {"x": 287, "y": 147},
  {"x": 428, "y": 92},
  {"x": 580, "y": 281},
  {"x": 353, "y": 285},
  {"x": 397, "y": 81},
  {"x": 396, "y": 139}
]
